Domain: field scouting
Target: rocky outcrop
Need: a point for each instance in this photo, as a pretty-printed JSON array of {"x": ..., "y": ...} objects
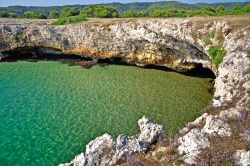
[
  {"x": 175, "y": 43},
  {"x": 232, "y": 90},
  {"x": 242, "y": 157},
  {"x": 106, "y": 150},
  {"x": 169, "y": 43}
]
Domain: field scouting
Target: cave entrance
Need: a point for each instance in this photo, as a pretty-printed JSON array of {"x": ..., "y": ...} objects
[{"x": 35, "y": 54}]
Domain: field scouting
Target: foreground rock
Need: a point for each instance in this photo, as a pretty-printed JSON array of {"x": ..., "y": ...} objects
[{"x": 106, "y": 150}]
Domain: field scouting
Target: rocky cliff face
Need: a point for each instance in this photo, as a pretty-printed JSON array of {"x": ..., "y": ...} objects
[
  {"x": 175, "y": 43},
  {"x": 171, "y": 43}
]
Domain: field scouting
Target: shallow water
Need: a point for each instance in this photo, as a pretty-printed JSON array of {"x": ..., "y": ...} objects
[{"x": 49, "y": 111}]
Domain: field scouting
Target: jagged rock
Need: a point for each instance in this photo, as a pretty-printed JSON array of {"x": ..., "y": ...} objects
[
  {"x": 193, "y": 124},
  {"x": 191, "y": 144},
  {"x": 137, "y": 42},
  {"x": 105, "y": 150},
  {"x": 216, "y": 127},
  {"x": 242, "y": 157},
  {"x": 233, "y": 80},
  {"x": 233, "y": 113}
]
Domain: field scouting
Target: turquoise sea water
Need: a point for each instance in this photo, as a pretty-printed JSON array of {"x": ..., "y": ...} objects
[{"x": 49, "y": 111}]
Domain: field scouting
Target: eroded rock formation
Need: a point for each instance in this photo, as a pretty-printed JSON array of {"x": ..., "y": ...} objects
[{"x": 169, "y": 43}]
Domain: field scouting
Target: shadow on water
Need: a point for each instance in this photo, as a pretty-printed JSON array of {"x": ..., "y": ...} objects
[{"x": 36, "y": 54}]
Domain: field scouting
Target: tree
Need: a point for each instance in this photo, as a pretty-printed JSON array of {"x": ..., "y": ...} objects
[
  {"x": 128, "y": 14},
  {"x": 31, "y": 14},
  {"x": 220, "y": 9},
  {"x": 53, "y": 13},
  {"x": 100, "y": 11},
  {"x": 247, "y": 8},
  {"x": 67, "y": 12},
  {"x": 4, "y": 13},
  {"x": 140, "y": 14}
]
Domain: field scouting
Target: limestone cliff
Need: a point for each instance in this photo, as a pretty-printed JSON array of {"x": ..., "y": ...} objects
[{"x": 176, "y": 44}]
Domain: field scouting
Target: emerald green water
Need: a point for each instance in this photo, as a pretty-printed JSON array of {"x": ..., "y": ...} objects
[{"x": 49, "y": 111}]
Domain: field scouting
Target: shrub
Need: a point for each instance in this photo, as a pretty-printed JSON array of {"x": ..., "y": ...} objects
[
  {"x": 69, "y": 20},
  {"x": 18, "y": 38},
  {"x": 68, "y": 12},
  {"x": 53, "y": 13},
  {"x": 207, "y": 39},
  {"x": 31, "y": 14},
  {"x": 216, "y": 53},
  {"x": 100, "y": 11}
]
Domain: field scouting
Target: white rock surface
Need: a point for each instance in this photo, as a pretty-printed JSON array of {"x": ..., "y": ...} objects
[
  {"x": 216, "y": 127},
  {"x": 191, "y": 143},
  {"x": 105, "y": 150},
  {"x": 242, "y": 157}
]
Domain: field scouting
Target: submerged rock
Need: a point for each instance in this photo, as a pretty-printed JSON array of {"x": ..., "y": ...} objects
[{"x": 106, "y": 150}]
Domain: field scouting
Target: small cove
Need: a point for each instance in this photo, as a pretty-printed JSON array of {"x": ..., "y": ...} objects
[{"x": 49, "y": 111}]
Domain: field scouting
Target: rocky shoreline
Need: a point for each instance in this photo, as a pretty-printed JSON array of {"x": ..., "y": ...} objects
[{"x": 174, "y": 43}]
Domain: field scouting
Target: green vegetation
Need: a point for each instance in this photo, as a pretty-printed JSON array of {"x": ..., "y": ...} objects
[
  {"x": 34, "y": 15},
  {"x": 5, "y": 13},
  {"x": 53, "y": 13},
  {"x": 100, "y": 11},
  {"x": 216, "y": 53},
  {"x": 207, "y": 38},
  {"x": 139, "y": 9},
  {"x": 18, "y": 38},
  {"x": 68, "y": 12},
  {"x": 69, "y": 20}
]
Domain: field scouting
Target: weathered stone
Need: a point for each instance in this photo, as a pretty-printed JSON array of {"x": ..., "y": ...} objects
[
  {"x": 242, "y": 157},
  {"x": 105, "y": 150},
  {"x": 216, "y": 127},
  {"x": 191, "y": 144}
]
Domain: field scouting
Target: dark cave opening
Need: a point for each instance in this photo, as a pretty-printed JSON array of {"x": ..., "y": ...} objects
[{"x": 35, "y": 54}]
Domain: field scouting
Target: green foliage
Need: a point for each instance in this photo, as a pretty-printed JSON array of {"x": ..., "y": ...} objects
[
  {"x": 18, "y": 38},
  {"x": 68, "y": 12},
  {"x": 100, "y": 11},
  {"x": 212, "y": 33},
  {"x": 128, "y": 14},
  {"x": 5, "y": 13},
  {"x": 139, "y": 9},
  {"x": 207, "y": 38},
  {"x": 69, "y": 20},
  {"x": 53, "y": 13},
  {"x": 31, "y": 14},
  {"x": 34, "y": 15},
  {"x": 216, "y": 53}
]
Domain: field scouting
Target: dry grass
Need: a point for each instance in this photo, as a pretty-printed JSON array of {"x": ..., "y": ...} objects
[
  {"x": 234, "y": 21},
  {"x": 222, "y": 149},
  {"x": 220, "y": 38}
]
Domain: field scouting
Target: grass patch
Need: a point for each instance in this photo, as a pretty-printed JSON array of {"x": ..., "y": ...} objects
[
  {"x": 18, "y": 38},
  {"x": 69, "y": 20},
  {"x": 216, "y": 53},
  {"x": 207, "y": 38}
]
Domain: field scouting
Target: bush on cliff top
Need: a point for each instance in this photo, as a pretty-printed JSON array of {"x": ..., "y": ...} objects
[
  {"x": 69, "y": 20},
  {"x": 216, "y": 53}
]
